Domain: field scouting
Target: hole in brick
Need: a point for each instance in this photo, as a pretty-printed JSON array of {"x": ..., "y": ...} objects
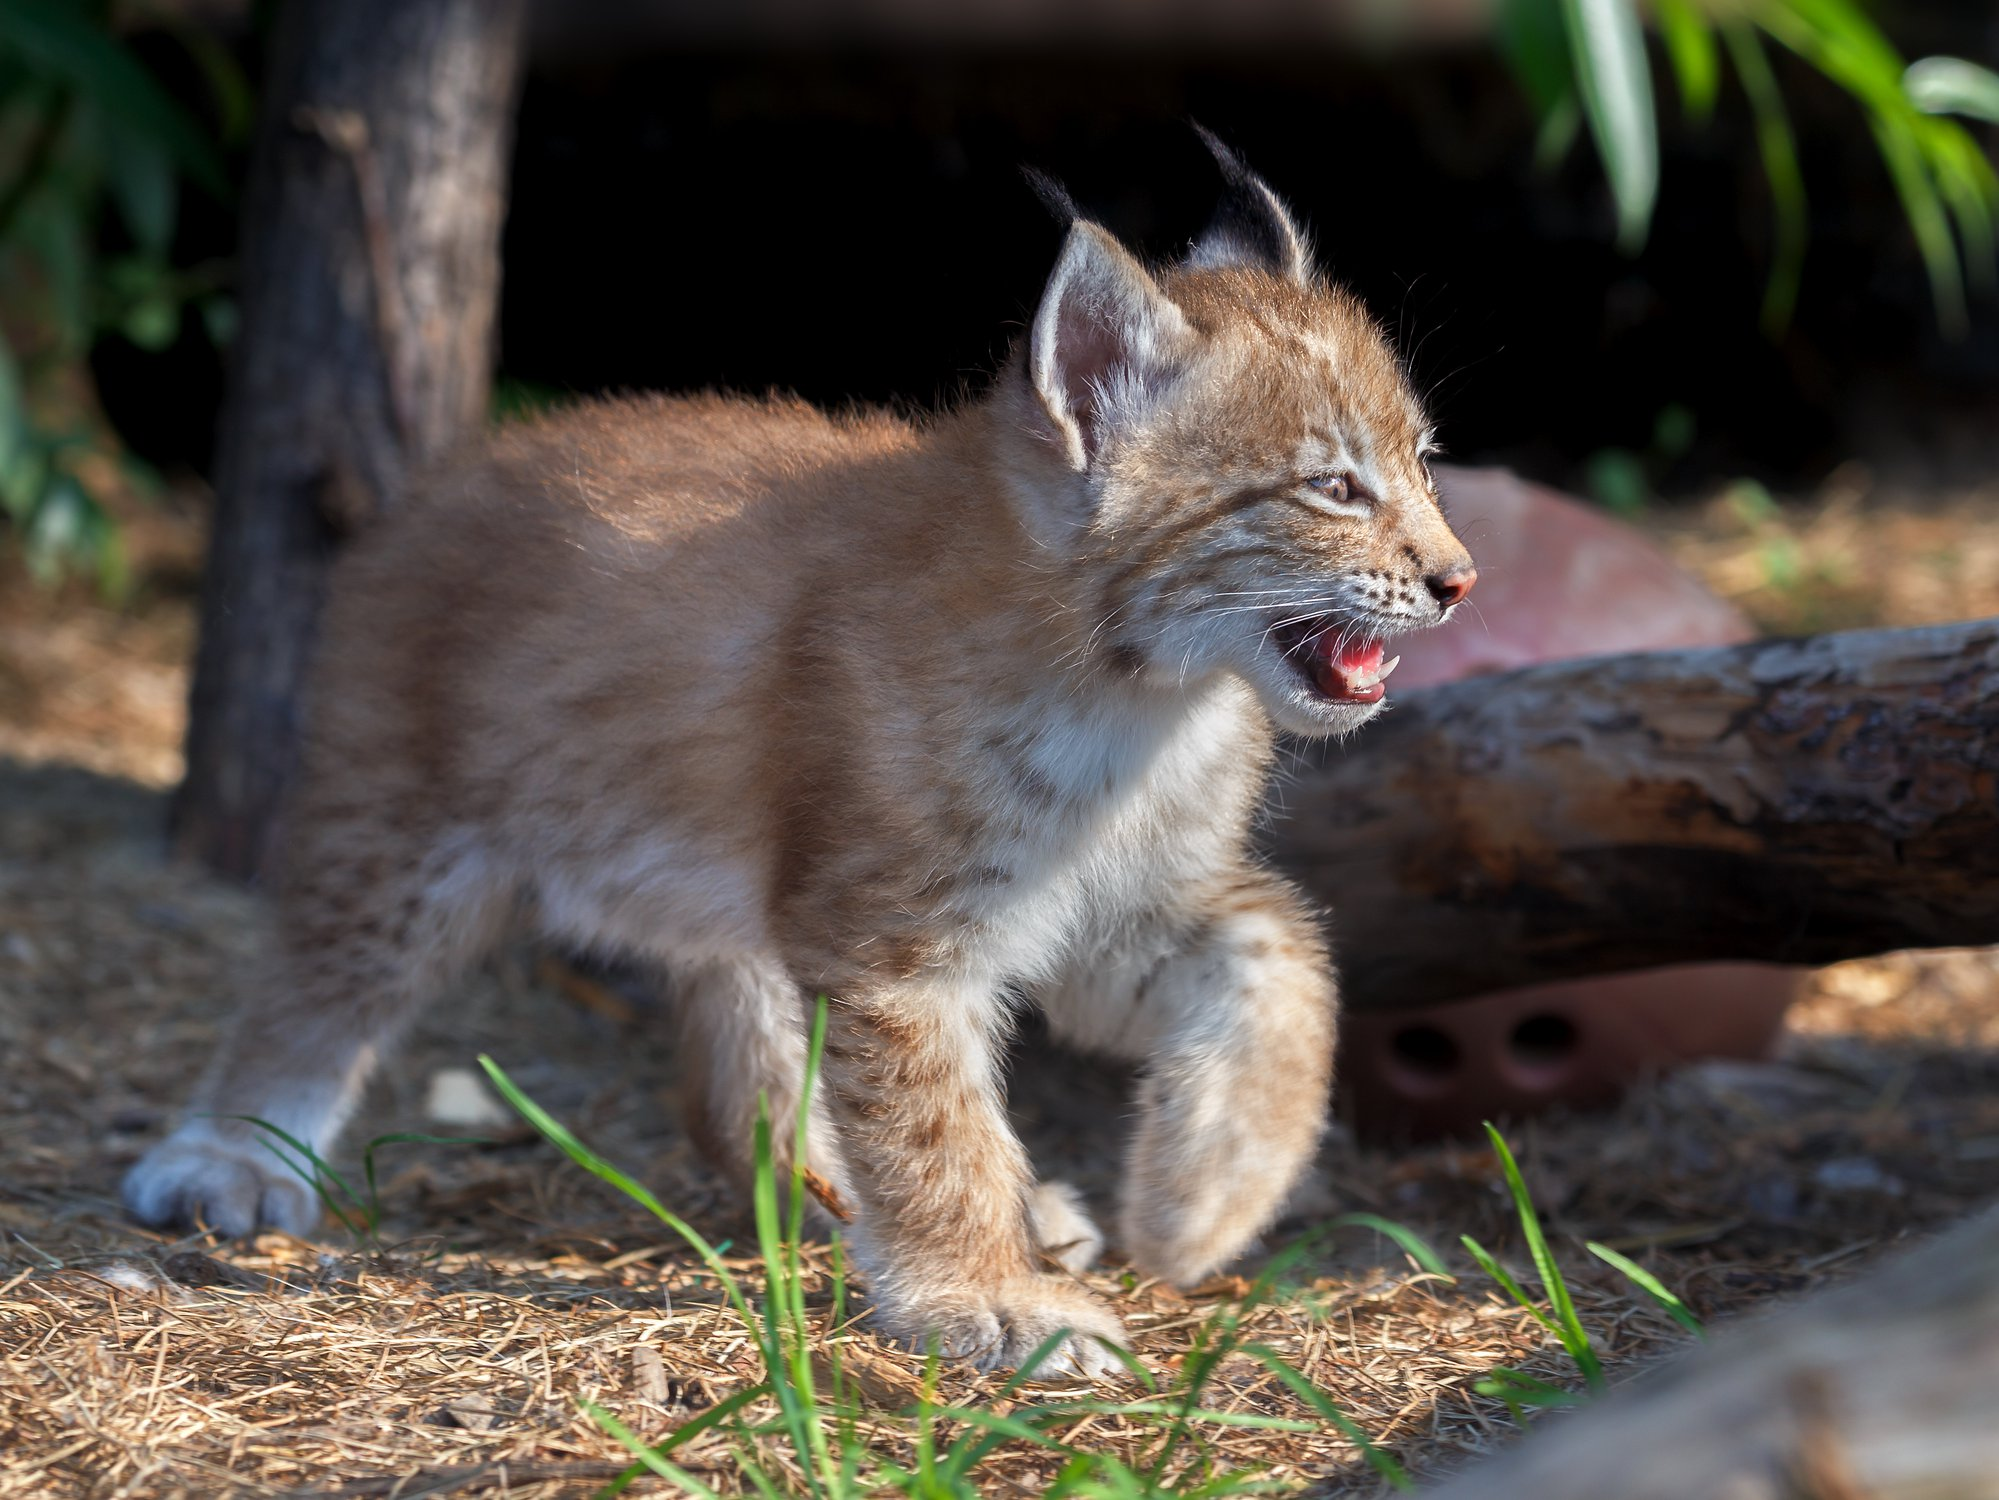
[
  {"x": 1542, "y": 1045},
  {"x": 1427, "y": 1051}
]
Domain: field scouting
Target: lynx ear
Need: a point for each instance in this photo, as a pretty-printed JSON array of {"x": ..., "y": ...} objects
[
  {"x": 1105, "y": 341},
  {"x": 1251, "y": 225}
]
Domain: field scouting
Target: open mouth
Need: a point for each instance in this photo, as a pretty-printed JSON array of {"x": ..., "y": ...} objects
[{"x": 1341, "y": 667}]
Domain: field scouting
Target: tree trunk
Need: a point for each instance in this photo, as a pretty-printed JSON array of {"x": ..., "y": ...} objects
[
  {"x": 1796, "y": 802},
  {"x": 369, "y": 290},
  {"x": 1881, "y": 1390}
]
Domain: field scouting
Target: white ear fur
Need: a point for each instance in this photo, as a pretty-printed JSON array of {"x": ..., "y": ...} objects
[{"x": 1105, "y": 340}]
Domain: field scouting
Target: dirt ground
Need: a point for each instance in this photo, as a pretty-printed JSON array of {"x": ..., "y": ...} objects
[{"x": 516, "y": 1287}]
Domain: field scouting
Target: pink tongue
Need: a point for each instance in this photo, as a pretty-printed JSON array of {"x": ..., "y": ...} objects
[{"x": 1337, "y": 665}]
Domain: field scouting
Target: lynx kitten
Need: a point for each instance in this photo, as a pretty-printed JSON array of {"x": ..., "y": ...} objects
[{"x": 926, "y": 717}]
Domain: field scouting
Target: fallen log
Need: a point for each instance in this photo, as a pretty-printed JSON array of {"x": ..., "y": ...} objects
[
  {"x": 1794, "y": 802},
  {"x": 1883, "y": 1389}
]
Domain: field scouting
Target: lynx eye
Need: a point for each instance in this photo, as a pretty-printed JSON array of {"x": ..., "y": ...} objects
[{"x": 1334, "y": 487}]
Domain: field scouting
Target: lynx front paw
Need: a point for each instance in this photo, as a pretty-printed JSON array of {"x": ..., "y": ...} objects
[
  {"x": 1003, "y": 1330},
  {"x": 207, "y": 1173}
]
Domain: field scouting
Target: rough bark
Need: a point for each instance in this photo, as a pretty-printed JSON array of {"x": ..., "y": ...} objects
[
  {"x": 369, "y": 293},
  {"x": 1880, "y": 1390},
  {"x": 1796, "y": 802}
]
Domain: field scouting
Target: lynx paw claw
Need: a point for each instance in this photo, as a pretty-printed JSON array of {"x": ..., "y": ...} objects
[
  {"x": 199, "y": 1174},
  {"x": 1004, "y": 1330}
]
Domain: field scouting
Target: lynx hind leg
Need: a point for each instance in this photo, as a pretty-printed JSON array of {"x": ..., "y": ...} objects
[
  {"x": 367, "y": 933},
  {"x": 1233, "y": 1012},
  {"x": 745, "y": 1028}
]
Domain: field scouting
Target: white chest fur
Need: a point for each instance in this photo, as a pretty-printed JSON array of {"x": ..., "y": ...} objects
[{"x": 1134, "y": 807}]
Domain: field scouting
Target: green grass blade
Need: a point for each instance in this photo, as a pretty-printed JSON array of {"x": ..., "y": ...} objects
[
  {"x": 1779, "y": 150},
  {"x": 656, "y": 1462},
  {"x": 313, "y": 1170},
  {"x": 1965, "y": 179},
  {"x": 1920, "y": 203},
  {"x": 1308, "y": 1392},
  {"x": 559, "y": 1136},
  {"x": 1161, "y": 1408},
  {"x": 1607, "y": 46},
  {"x": 1011, "y": 1424},
  {"x": 1491, "y": 1266},
  {"x": 788, "y": 1359},
  {"x": 1570, "y": 1330},
  {"x": 715, "y": 1415},
  {"x": 1133, "y": 1365},
  {"x": 1518, "y": 1389},
  {"x": 1953, "y": 86},
  {"x": 373, "y": 1208},
  {"x": 1650, "y": 1285},
  {"x": 304, "y": 1152},
  {"x": 1696, "y": 60},
  {"x": 1412, "y": 1244}
]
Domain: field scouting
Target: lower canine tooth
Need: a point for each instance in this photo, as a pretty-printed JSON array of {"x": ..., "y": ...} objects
[{"x": 1386, "y": 667}]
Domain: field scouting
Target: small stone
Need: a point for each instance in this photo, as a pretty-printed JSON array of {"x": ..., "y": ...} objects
[{"x": 459, "y": 1098}]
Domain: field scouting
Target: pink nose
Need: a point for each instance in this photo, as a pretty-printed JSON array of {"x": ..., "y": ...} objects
[{"x": 1451, "y": 588}]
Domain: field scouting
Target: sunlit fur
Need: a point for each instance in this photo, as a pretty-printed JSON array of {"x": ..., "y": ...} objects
[{"x": 919, "y": 716}]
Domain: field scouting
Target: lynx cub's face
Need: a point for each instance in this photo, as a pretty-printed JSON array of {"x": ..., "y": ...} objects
[{"x": 1253, "y": 465}]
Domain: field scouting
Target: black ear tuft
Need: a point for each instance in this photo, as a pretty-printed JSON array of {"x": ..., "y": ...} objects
[
  {"x": 1054, "y": 197},
  {"x": 1251, "y": 226}
]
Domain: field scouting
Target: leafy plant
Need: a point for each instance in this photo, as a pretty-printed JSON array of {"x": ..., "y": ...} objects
[
  {"x": 92, "y": 152},
  {"x": 1585, "y": 61},
  {"x": 817, "y": 1410}
]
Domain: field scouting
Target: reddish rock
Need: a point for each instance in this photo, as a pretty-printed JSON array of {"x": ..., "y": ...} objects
[{"x": 1557, "y": 579}]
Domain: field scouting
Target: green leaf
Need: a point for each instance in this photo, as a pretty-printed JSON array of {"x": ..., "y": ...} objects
[
  {"x": 58, "y": 38},
  {"x": 1952, "y": 86},
  {"x": 1559, "y": 128},
  {"x": 235, "y": 107},
  {"x": 1780, "y": 166},
  {"x": 559, "y": 1136},
  {"x": 1305, "y": 1390},
  {"x": 220, "y": 318},
  {"x": 14, "y": 427},
  {"x": 57, "y": 235},
  {"x": 1965, "y": 179},
  {"x": 1569, "y": 1327},
  {"x": 1841, "y": 41},
  {"x": 647, "y": 1454},
  {"x": 1616, "y": 477},
  {"x": 1650, "y": 1285},
  {"x": 1903, "y": 153},
  {"x": 1489, "y": 1263},
  {"x": 140, "y": 175},
  {"x": 153, "y": 323},
  {"x": 1532, "y": 41},
  {"x": 1412, "y": 1244},
  {"x": 1696, "y": 60},
  {"x": 316, "y": 1172},
  {"x": 720, "y": 1412},
  {"x": 1607, "y": 47},
  {"x": 1518, "y": 1389},
  {"x": 23, "y": 481}
]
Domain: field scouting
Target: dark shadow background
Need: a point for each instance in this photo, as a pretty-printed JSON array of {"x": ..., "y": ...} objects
[{"x": 848, "y": 221}]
